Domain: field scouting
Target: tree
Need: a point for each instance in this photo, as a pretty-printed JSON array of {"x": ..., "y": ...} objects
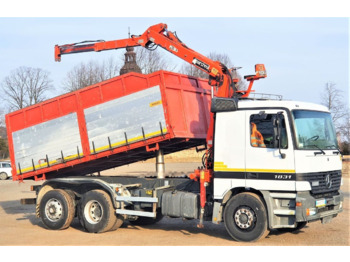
[
  {"x": 92, "y": 72},
  {"x": 191, "y": 70},
  {"x": 344, "y": 131},
  {"x": 2, "y": 117},
  {"x": 345, "y": 127},
  {"x": 4, "y": 151},
  {"x": 332, "y": 98},
  {"x": 3, "y": 136},
  {"x": 25, "y": 86},
  {"x": 152, "y": 61}
]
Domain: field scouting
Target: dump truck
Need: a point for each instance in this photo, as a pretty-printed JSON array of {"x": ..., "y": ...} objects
[{"x": 267, "y": 163}]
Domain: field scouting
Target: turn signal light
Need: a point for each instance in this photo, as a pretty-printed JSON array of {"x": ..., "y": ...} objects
[
  {"x": 311, "y": 211},
  {"x": 299, "y": 204}
]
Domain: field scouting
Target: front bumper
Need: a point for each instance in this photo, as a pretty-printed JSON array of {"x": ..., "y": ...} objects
[{"x": 310, "y": 209}]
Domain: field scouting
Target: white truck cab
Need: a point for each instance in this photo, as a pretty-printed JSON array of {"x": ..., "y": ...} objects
[{"x": 295, "y": 168}]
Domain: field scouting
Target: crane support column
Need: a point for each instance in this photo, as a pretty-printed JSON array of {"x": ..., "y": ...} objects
[{"x": 160, "y": 166}]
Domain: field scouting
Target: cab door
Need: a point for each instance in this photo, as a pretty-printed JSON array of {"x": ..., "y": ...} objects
[{"x": 269, "y": 156}]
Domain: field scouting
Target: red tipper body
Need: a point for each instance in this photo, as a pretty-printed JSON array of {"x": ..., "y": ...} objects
[{"x": 109, "y": 124}]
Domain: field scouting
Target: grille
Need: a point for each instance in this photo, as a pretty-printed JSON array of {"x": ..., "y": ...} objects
[{"x": 325, "y": 187}]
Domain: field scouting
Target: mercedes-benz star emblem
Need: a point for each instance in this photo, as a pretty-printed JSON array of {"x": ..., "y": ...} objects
[{"x": 328, "y": 181}]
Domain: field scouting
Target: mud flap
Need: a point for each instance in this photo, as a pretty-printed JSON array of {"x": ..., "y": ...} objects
[{"x": 326, "y": 220}]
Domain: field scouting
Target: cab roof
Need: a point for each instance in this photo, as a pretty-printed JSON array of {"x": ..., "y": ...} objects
[{"x": 291, "y": 105}]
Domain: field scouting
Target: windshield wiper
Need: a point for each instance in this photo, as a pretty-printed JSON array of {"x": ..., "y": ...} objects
[
  {"x": 316, "y": 153},
  {"x": 335, "y": 147}
]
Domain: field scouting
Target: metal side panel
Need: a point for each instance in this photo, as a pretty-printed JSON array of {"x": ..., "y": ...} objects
[
  {"x": 32, "y": 144},
  {"x": 127, "y": 119}
]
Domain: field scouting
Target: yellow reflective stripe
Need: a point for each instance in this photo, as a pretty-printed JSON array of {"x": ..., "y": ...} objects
[
  {"x": 53, "y": 162},
  {"x": 230, "y": 169},
  {"x": 156, "y": 103},
  {"x": 271, "y": 170},
  {"x": 220, "y": 166},
  {"x": 129, "y": 140}
]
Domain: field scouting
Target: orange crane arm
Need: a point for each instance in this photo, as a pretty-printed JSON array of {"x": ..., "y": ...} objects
[{"x": 219, "y": 74}]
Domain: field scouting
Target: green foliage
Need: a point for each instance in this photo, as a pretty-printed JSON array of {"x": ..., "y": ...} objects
[
  {"x": 4, "y": 150},
  {"x": 345, "y": 148}
]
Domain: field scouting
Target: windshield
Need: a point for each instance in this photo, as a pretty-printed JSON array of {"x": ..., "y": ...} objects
[{"x": 314, "y": 130}]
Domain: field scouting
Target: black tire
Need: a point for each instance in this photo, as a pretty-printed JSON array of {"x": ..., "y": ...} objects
[
  {"x": 3, "y": 176},
  {"x": 146, "y": 221},
  {"x": 118, "y": 223},
  {"x": 57, "y": 209},
  {"x": 96, "y": 212},
  {"x": 300, "y": 225},
  {"x": 245, "y": 217}
]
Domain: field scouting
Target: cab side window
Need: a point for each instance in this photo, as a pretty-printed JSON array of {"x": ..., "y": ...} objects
[{"x": 264, "y": 131}]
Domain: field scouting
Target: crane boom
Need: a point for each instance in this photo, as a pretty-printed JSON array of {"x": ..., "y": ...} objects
[{"x": 158, "y": 35}]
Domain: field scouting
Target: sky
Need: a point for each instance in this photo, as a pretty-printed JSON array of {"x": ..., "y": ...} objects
[{"x": 300, "y": 54}]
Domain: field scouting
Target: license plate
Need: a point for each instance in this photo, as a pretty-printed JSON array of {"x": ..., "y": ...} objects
[{"x": 321, "y": 203}]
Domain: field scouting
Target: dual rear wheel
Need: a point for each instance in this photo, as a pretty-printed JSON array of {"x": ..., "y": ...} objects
[
  {"x": 244, "y": 222},
  {"x": 57, "y": 209},
  {"x": 97, "y": 214},
  {"x": 95, "y": 211}
]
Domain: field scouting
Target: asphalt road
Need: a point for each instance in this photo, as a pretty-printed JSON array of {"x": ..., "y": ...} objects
[{"x": 20, "y": 227}]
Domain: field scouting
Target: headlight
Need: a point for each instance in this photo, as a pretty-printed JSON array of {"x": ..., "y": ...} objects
[{"x": 311, "y": 211}]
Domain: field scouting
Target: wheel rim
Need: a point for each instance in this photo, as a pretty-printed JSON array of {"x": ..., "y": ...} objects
[
  {"x": 245, "y": 218},
  {"x": 93, "y": 212},
  {"x": 53, "y": 210}
]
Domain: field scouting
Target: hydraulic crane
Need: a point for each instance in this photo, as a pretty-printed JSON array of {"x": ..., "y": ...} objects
[
  {"x": 219, "y": 77},
  {"x": 158, "y": 35}
]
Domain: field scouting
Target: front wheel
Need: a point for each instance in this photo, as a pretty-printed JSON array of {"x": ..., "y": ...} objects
[{"x": 245, "y": 217}]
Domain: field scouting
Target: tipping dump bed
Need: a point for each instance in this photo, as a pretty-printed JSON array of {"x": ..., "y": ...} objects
[{"x": 109, "y": 124}]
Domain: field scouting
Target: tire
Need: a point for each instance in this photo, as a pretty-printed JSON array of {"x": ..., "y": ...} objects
[
  {"x": 245, "y": 218},
  {"x": 3, "y": 176},
  {"x": 96, "y": 212},
  {"x": 57, "y": 209},
  {"x": 118, "y": 223},
  {"x": 146, "y": 221}
]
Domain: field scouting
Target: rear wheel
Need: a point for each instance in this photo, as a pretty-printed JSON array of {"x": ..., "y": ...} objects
[
  {"x": 245, "y": 217},
  {"x": 96, "y": 212},
  {"x": 3, "y": 176},
  {"x": 57, "y": 209}
]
